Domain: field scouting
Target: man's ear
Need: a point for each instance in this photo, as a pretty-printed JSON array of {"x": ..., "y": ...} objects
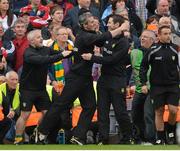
[
  {"x": 117, "y": 25},
  {"x": 85, "y": 26}
]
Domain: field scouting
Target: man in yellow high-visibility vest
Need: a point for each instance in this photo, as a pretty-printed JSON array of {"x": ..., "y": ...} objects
[{"x": 9, "y": 103}]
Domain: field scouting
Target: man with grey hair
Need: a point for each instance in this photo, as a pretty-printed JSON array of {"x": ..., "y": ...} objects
[
  {"x": 163, "y": 9},
  {"x": 141, "y": 106},
  {"x": 33, "y": 79},
  {"x": 9, "y": 104},
  {"x": 174, "y": 7}
]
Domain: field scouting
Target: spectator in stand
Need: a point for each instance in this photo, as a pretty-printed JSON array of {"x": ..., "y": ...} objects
[
  {"x": 6, "y": 46},
  {"x": 152, "y": 20},
  {"x": 59, "y": 69},
  {"x": 25, "y": 16},
  {"x": 120, "y": 5},
  {"x": 163, "y": 9},
  {"x": 152, "y": 24},
  {"x": 106, "y": 11},
  {"x": 51, "y": 29},
  {"x": 56, "y": 21},
  {"x": 167, "y": 21},
  {"x": 7, "y": 18},
  {"x": 18, "y": 4},
  {"x": 141, "y": 10},
  {"x": 131, "y": 33},
  {"x": 57, "y": 15},
  {"x": 4, "y": 68},
  {"x": 63, "y": 3},
  {"x": 174, "y": 7},
  {"x": 71, "y": 19},
  {"x": 9, "y": 103},
  {"x": 39, "y": 14},
  {"x": 134, "y": 19},
  {"x": 20, "y": 42}
]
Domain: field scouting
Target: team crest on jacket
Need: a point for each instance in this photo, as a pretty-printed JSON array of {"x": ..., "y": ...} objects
[
  {"x": 113, "y": 45},
  {"x": 24, "y": 104},
  {"x": 122, "y": 90},
  {"x": 173, "y": 58}
]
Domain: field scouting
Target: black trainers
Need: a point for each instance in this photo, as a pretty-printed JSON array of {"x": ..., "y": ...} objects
[
  {"x": 171, "y": 138},
  {"x": 160, "y": 142},
  {"x": 127, "y": 141},
  {"x": 75, "y": 140},
  {"x": 38, "y": 138},
  {"x": 34, "y": 136}
]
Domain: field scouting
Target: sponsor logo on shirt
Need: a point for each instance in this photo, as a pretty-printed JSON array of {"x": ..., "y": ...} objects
[
  {"x": 158, "y": 58},
  {"x": 107, "y": 51}
]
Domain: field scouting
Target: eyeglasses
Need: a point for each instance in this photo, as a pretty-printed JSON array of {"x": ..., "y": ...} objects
[{"x": 62, "y": 34}]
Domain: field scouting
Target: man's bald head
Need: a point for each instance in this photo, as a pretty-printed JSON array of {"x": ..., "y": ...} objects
[{"x": 12, "y": 79}]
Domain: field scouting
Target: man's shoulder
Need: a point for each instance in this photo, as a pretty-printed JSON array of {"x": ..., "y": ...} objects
[
  {"x": 155, "y": 46},
  {"x": 73, "y": 10},
  {"x": 174, "y": 47},
  {"x": 94, "y": 11}
]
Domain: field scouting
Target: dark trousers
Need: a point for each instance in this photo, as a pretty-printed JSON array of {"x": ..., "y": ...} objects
[
  {"x": 65, "y": 122},
  {"x": 149, "y": 118},
  {"x": 138, "y": 114},
  {"x": 106, "y": 96},
  {"x": 143, "y": 117},
  {"x": 5, "y": 125},
  {"x": 75, "y": 86}
]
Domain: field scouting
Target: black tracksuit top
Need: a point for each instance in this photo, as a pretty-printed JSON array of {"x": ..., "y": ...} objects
[
  {"x": 114, "y": 61},
  {"x": 35, "y": 67},
  {"x": 163, "y": 59},
  {"x": 85, "y": 42}
]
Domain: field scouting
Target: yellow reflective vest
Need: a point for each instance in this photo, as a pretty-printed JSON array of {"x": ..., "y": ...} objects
[{"x": 16, "y": 101}]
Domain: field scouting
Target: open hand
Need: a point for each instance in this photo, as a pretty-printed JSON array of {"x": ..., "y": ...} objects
[
  {"x": 86, "y": 56},
  {"x": 11, "y": 114}
]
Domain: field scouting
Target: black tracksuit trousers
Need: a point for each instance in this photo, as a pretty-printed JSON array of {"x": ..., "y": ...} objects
[
  {"x": 75, "y": 86},
  {"x": 106, "y": 96}
]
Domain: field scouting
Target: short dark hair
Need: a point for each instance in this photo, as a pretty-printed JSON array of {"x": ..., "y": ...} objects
[
  {"x": 163, "y": 27},
  {"x": 117, "y": 19},
  {"x": 114, "y": 2}
]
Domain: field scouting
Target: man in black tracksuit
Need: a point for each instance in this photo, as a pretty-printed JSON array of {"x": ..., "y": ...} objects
[
  {"x": 33, "y": 79},
  {"x": 111, "y": 86},
  {"x": 164, "y": 82},
  {"x": 79, "y": 82}
]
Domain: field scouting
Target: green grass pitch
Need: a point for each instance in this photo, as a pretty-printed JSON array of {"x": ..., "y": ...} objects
[{"x": 89, "y": 147}]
